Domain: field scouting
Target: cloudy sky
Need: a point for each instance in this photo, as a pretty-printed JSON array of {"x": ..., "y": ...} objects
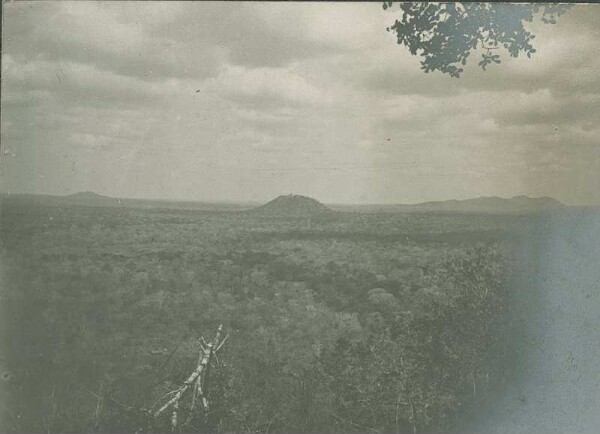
[{"x": 230, "y": 102}]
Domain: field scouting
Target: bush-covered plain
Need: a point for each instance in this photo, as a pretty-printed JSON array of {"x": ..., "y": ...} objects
[{"x": 358, "y": 322}]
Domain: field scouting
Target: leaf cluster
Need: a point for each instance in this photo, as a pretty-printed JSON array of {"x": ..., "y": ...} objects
[{"x": 445, "y": 34}]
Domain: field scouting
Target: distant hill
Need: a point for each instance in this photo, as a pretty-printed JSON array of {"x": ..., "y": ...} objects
[
  {"x": 90, "y": 198},
  {"x": 297, "y": 205},
  {"x": 292, "y": 205},
  {"x": 491, "y": 205},
  {"x": 494, "y": 204},
  {"x": 86, "y": 195},
  {"x": 86, "y": 198}
]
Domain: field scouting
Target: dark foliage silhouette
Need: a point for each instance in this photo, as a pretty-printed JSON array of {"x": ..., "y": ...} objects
[{"x": 445, "y": 34}]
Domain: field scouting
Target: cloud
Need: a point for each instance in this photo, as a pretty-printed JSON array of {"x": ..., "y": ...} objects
[
  {"x": 240, "y": 99},
  {"x": 266, "y": 87},
  {"x": 545, "y": 108},
  {"x": 76, "y": 83},
  {"x": 95, "y": 33},
  {"x": 249, "y": 35}
]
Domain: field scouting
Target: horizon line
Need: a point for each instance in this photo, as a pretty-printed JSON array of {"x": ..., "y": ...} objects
[{"x": 233, "y": 202}]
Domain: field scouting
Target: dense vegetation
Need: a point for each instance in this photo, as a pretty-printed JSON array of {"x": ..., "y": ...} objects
[{"x": 364, "y": 322}]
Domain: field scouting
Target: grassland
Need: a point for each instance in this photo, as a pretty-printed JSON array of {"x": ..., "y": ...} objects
[{"x": 358, "y": 322}]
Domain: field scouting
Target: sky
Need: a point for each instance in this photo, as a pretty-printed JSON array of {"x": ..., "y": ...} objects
[{"x": 246, "y": 101}]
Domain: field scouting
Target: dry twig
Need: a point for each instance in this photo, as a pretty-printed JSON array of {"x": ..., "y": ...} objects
[{"x": 197, "y": 378}]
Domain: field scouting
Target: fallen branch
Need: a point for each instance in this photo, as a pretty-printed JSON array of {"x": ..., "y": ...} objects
[{"x": 196, "y": 379}]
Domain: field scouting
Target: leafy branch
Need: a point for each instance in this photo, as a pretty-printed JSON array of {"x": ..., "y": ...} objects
[{"x": 445, "y": 34}]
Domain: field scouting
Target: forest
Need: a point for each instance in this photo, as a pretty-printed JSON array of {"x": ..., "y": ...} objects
[{"x": 355, "y": 322}]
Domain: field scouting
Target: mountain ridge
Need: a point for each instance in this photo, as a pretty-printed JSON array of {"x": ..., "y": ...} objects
[
  {"x": 499, "y": 203},
  {"x": 284, "y": 204},
  {"x": 483, "y": 204}
]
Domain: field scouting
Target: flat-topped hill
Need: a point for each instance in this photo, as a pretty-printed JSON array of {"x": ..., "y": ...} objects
[
  {"x": 489, "y": 205},
  {"x": 495, "y": 204},
  {"x": 88, "y": 195},
  {"x": 292, "y": 205}
]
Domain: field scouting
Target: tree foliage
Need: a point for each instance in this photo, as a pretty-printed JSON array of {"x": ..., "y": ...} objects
[
  {"x": 445, "y": 34},
  {"x": 354, "y": 333}
]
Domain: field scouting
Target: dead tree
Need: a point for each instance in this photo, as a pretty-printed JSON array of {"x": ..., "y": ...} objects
[{"x": 197, "y": 383}]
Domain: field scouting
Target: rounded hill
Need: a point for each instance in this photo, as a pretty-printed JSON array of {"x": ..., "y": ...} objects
[{"x": 292, "y": 205}]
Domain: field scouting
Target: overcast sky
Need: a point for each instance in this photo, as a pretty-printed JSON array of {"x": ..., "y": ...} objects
[{"x": 229, "y": 102}]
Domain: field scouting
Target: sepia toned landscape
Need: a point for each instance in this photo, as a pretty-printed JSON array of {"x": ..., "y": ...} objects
[
  {"x": 299, "y": 217},
  {"x": 338, "y": 320}
]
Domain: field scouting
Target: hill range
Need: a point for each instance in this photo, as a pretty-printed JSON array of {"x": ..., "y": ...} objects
[
  {"x": 487, "y": 205},
  {"x": 298, "y": 205}
]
